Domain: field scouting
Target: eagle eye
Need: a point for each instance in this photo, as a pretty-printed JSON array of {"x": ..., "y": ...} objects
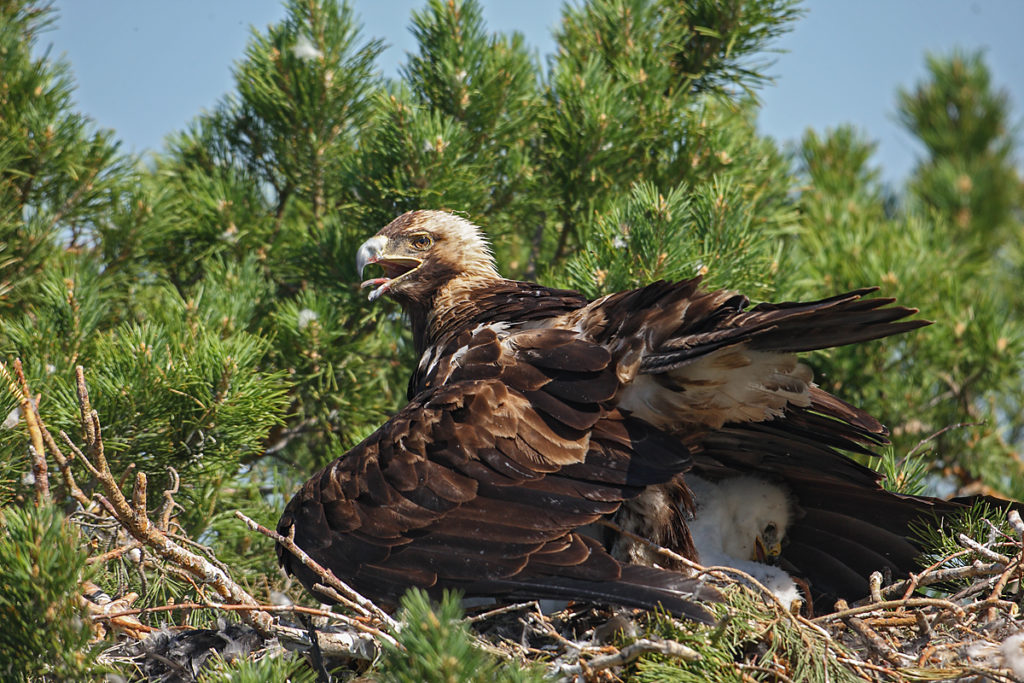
[
  {"x": 421, "y": 242},
  {"x": 770, "y": 530}
]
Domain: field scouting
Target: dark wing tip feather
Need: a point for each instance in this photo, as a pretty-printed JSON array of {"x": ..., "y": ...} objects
[{"x": 639, "y": 587}]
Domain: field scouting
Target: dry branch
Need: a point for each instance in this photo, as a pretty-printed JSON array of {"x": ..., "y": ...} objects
[
  {"x": 342, "y": 592},
  {"x": 890, "y": 605},
  {"x": 988, "y": 554},
  {"x": 668, "y": 648},
  {"x": 134, "y": 518},
  {"x": 19, "y": 389}
]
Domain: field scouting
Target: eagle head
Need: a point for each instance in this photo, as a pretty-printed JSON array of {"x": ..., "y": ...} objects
[{"x": 420, "y": 251}]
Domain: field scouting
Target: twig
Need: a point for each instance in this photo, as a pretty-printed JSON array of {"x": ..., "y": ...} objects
[
  {"x": 533, "y": 619},
  {"x": 992, "y": 603},
  {"x": 505, "y": 609},
  {"x": 914, "y": 581},
  {"x": 28, "y": 410},
  {"x": 113, "y": 554},
  {"x": 1016, "y": 523},
  {"x": 990, "y": 674},
  {"x": 856, "y": 664},
  {"x": 163, "y": 515},
  {"x": 939, "y": 433},
  {"x": 924, "y": 627},
  {"x": 988, "y": 554},
  {"x": 668, "y": 648},
  {"x": 966, "y": 572},
  {"x": 779, "y": 676},
  {"x": 19, "y": 388},
  {"x": 63, "y": 464},
  {"x": 891, "y": 604},
  {"x": 997, "y": 590},
  {"x": 875, "y": 586},
  {"x": 350, "y": 597},
  {"x": 297, "y": 609},
  {"x": 134, "y": 519},
  {"x": 211, "y": 556},
  {"x": 874, "y": 641}
]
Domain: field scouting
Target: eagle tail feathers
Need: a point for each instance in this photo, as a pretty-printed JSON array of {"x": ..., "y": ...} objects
[{"x": 639, "y": 587}]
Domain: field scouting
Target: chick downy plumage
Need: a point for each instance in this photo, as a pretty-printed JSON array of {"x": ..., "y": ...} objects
[{"x": 730, "y": 516}]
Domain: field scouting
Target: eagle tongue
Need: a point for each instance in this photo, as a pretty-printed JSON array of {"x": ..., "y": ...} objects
[{"x": 381, "y": 284}]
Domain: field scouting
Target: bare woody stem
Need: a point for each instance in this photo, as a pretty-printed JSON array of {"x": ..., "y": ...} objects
[
  {"x": 134, "y": 518},
  {"x": 338, "y": 590},
  {"x": 19, "y": 388}
]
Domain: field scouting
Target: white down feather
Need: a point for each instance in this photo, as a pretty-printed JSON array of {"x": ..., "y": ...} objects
[{"x": 730, "y": 514}]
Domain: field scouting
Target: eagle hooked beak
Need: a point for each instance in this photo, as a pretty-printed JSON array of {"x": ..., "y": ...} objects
[{"x": 374, "y": 250}]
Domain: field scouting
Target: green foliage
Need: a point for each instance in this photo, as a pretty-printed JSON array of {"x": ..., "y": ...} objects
[
  {"x": 290, "y": 669},
  {"x": 485, "y": 87},
  {"x": 907, "y": 475},
  {"x": 438, "y": 648},
  {"x": 946, "y": 385},
  {"x": 212, "y": 298},
  {"x": 734, "y": 651},
  {"x": 56, "y": 174},
  {"x": 965, "y": 124},
  {"x": 688, "y": 232},
  {"x": 46, "y": 632},
  {"x": 630, "y": 94},
  {"x": 984, "y": 522}
]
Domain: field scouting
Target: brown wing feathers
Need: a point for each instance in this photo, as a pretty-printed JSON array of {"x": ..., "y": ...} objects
[
  {"x": 480, "y": 485},
  {"x": 681, "y": 322}
]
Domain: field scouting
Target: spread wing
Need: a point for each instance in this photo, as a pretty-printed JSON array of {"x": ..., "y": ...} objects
[
  {"x": 483, "y": 483},
  {"x": 703, "y": 358}
]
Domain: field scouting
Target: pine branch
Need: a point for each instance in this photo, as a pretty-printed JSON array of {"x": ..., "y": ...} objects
[{"x": 133, "y": 516}]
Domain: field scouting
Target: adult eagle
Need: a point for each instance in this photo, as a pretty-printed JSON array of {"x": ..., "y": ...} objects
[{"x": 534, "y": 412}]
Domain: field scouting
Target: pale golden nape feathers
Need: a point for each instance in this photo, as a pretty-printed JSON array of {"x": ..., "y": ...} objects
[{"x": 453, "y": 241}]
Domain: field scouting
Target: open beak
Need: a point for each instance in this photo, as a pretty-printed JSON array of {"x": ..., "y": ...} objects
[
  {"x": 374, "y": 250},
  {"x": 764, "y": 553}
]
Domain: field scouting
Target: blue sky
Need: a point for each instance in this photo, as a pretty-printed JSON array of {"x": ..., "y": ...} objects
[{"x": 145, "y": 67}]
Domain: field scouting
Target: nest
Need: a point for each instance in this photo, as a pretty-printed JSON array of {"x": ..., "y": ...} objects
[
  {"x": 968, "y": 629},
  {"x": 958, "y": 619}
]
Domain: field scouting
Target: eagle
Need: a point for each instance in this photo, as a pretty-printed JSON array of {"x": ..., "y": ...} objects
[{"x": 534, "y": 413}]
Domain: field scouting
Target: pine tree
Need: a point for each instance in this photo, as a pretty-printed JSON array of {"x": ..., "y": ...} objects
[
  {"x": 211, "y": 294},
  {"x": 944, "y": 390}
]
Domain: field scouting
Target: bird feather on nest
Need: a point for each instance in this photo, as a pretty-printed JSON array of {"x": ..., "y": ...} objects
[{"x": 684, "y": 415}]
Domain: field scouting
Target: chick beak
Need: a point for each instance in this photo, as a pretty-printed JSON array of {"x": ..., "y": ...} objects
[
  {"x": 760, "y": 552},
  {"x": 766, "y": 553}
]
